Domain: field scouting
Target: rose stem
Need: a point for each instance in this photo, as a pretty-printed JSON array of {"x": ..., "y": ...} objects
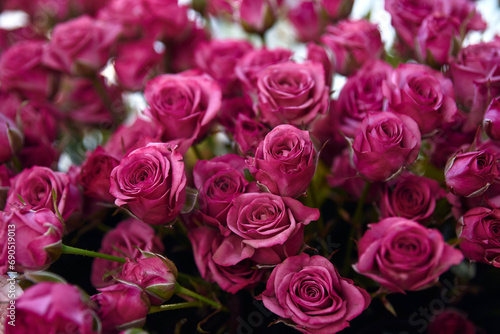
[
  {"x": 78, "y": 251},
  {"x": 177, "y": 306},
  {"x": 355, "y": 227},
  {"x": 103, "y": 94},
  {"x": 180, "y": 290}
]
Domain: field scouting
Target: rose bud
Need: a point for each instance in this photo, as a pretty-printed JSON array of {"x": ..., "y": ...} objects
[
  {"x": 310, "y": 295},
  {"x": 11, "y": 139},
  {"x": 95, "y": 175},
  {"x": 285, "y": 161},
  {"x": 33, "y": 189},
  {"x": 24, "y": 60},
  {"x": 307, "y": 21},
  {"x": 384, "y": 144},
  {"x": 248, "y": 134},
  {"x": 451, "y": 321},
  {"x": 402, "y": 254},
  {"x": 491, "y": 121},
  {"x": 150, "y": 182},
  {"x": 256, "y": 16},
  {"x": 319, "y": 54},
  {"x": 49, "y": 307},
  {"x": 272, "y": 227},
  {"x": 127, "y": 239},
  {"x": 471, "y": 173},
  {"x": 121, "y": 306},
  {"x": 231, "y": 109},
  {"x": 184, "y": 50},
  {"x": 81, "y": 46},
  {"x": 292, "y": 93},
  {"x": 37, "y": 238},
  {"x": 478, "y": 232},
  {"x": 353, "y": 43},
  {"x": 410, "y": 196},
  {"x": 337, "y": 9},
  {"x": 153, "y": 273}
]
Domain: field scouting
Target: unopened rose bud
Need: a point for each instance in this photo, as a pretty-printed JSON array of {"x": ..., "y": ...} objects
[
  {"x": 11, "y": 139},
  {"x": 491, "y": 122}
]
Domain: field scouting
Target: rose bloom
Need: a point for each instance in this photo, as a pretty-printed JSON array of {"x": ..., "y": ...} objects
[
  {"x": 402, "y": 254},
  {"x": 248, "y": 134},
  {"x": 491, "y": 120},
  {"x": 384, "y": 144},
  {"x": 311, "y": 296},
  {"x": 318, "y": 54},
  {"x": 307, "y": 20},
  {"x": 256, "y": 16},
  {"x": 479, "y": 233},
  {"x": 451, "y": 321},
  {"x": 80, "y": 46},
  {"x": 150, "y": 182},
  {"x": 292, "y": 93},
  {"x": 285, "y": 161},
  {"x": 272, "y": 227},
  {"x": 49, "y": 307}
]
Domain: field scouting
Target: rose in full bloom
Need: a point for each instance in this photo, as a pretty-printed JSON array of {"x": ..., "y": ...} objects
[
  {"x": 121, "y": 306},
  {"x": 285, "y": 161},
  {"x": 49, "y": 307},
  {"x": 410, "y": 196},
  {"x": 479, "y": 234},
  {"x": 272, "y": 227},
  {"x": 292, "y": 93},
  {"x": 402, "y": 254},
  {"x": 491, "y": 121},
  {"x": 81, "y": 46},
  {"x": 385, "y": 143},
  {"x": 422, "y": 93},
  {"x": 353, "y": 43},
  {"x": 37, "y": 238},
  {"x": 471, "y": 173},
  {"x": 310, "y": 295},
  {"x": 36, "y": 185},
  {"x": 150, "y": 182},
  {"x": 127, "y": 239},
  {"x": 183, "y": 104}
]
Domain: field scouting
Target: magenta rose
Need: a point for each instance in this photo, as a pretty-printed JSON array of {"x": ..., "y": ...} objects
[
  {"x": 183, "y": 104},
  {"x": 36, "y": 239},
  {"x": 410, "y": 196},
  {"x": 272, "y": 227},
  {"x": 81, "y": 46},
  {"x": 402, "y": 254},
  {"x": 150, "y": 182},
  {"x": 231, "y": 275},
  {"x": 307, "y": 20},
  {"x": 248, "y": 133},
  {"x": 319, "y": 54},
  {"x": 11, "y": 138},
  {"x": 309, "y": 295},
  {"x": 292, "y": 93},
  {"x": 127, "y": 239},
  {"x": 256, "y": 16},
  {"x": 491, "y": 120},
  {"x": 478, "y": 232},
  {"x": 35, "y": 186},
  {"x": 285, "y": 161},
  {"x": 384, "y": 144},
  {"x": 353, "y": 43},
  {"x": 471, "y": 173},
  {"x": 53, "y": 308},
  {"x": 337, "y": 9},
  {"x": 451, "y": 321},
  {"x": 22, "y": 71}
]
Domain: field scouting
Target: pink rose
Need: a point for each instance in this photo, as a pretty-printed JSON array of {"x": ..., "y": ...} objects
[
  {"x": 248, "y": 133},
  {"x": 478, "y": 232},
  {"x": 258, "y": 15},
  {"x": 310, "y": 295},
  {"x": 451, "y": 321},
  {"x": 285, "y": 161},
  {"x": 35, "y": 187},
  {"x": 337, "y": 9},
  {"x": 81, "y": 46},
  {"x": 127, "y": 239},
  {"x": 218, "y": 58},
  {"x": 11, "y": 139},
  {"x": 232, "y": 108},
  {"x": 471, "y": 173},
  {"x": 53, "y": 307},
  {"x": 183, "y": 51},
  {"x": 121, "y": 306},
  {"x": 292, "y": 93},
  {"x": 150, "y": 182},
  {"x": 319, "y": 54},
  {"x": 423, "y": 94},
  {"x": 307, "y": 21},
  {"x": 491, "y": 120},
  {"x": 402, "y": 254},
  {"x": 36, "y": 236},
  {"x": 410, "y": 196},
  {"x": 272, "y": 227},
  {"x": 384, "y": 144},
  {"x": 353, "y": 43},
  {"x": 183, "y": 104},
  {"x": 165, "y": 19},
  {"x": 22, "y": 71}
]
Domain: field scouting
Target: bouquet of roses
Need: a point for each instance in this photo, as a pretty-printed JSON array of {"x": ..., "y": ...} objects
[{"x": 158, "y": 177}]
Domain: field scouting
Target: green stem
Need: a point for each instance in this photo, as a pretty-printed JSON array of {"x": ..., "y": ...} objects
[
  {"x": 180, "y": 290},
  {"x": 197, "y": 152},
  {"x": 177, "y": 306},
  {"x": 78, "y": 251},
  {"x": 103, "y": 94}
]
